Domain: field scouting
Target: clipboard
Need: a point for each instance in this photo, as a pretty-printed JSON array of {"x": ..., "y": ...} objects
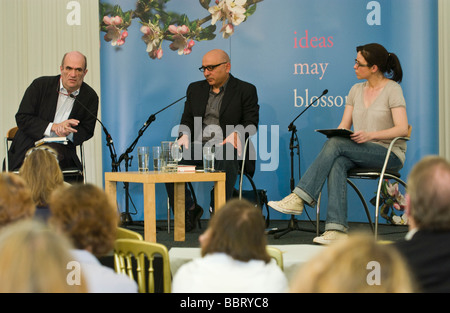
[{"x": 341, "y": 132}]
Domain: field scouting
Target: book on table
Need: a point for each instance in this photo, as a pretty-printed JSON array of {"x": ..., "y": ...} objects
[
  {"x": 61, "y": 140},
  {"x": 186, "y": 169},
  {"x": 341, "y": 132}
]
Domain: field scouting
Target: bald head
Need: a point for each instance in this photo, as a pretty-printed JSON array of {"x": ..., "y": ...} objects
[
  {"x": 76, "y": 55},
  {"x": 217, "y": 54},
  {"x": 219, "y": 61},
  {"x": 73, "y": 70}
]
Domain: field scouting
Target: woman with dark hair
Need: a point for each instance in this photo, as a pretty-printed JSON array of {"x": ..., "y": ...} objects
[
  {"x": 234, "y": 256},
  {"x": 376, "y": 109}
]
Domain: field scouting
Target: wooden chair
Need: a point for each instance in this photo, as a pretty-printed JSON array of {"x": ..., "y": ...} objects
[
  {"x": 277, "y": 255},
  {"x": 123, "y": 233},
  {"x": 133, "y": 256},
  {"x": 8, "y": 139}
]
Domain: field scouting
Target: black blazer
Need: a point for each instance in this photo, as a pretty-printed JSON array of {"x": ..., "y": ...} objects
[
  {"x": 38, "y": 108},
  {"x": 428, "y": 254},
  {"x": 239, "y": 107}
]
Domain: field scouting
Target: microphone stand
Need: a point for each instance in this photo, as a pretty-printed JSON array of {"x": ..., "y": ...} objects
[
  {"x": 126, "y": 216},
  {"x": 112, "y": 150},
  {"x": 294, "y": 144},
  {"x": 109, "y": 141}
]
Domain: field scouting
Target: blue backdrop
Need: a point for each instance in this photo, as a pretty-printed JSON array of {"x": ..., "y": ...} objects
[{"x": 291, "y": 50}]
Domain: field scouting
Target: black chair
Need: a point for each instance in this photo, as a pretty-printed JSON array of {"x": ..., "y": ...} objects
[{"x": 371, "y": 173}]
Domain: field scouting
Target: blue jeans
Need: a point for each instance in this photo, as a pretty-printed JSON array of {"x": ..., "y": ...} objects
[{"x": 338, "y": 155}]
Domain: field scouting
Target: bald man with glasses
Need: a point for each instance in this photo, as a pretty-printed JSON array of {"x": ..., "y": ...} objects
[{"x": 215, "y": 109}]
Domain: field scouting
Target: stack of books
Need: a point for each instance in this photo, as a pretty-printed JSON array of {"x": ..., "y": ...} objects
[
  {"x": 61, "y": 140},
  {"x": 186, "y": 169}
]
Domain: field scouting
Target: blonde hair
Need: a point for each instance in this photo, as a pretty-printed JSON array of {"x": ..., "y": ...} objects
[
  {"x": 346, "y": 267},
  {"x": 41, "y": 171},
  {"x": 34, "y": 259},
  {"x": 15, "y": 199}
]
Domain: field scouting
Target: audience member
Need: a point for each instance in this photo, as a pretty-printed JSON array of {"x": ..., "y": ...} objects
[
  {"x": 34, "y": 259},
  {"x": 41, "y": 171},
  {"x": 234, "y": 256},
  {"x": 426, "y": 246},
  {"x": 357, "y": 264},
  {"x": 16, "y": 202},
  {"x": 85, "y": 214}
]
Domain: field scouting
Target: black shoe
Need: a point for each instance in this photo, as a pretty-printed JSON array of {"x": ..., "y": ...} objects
[{"x": 193, "y": 218}]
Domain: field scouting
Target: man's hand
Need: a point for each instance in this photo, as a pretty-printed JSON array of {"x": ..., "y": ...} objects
[
  {"x": 235, "y": 140},
  {"x": 65, "y": 128},
  {"x": 183, "y": 141}
]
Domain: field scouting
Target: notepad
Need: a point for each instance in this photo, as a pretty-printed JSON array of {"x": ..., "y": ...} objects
[{"x": 342, "y": 132}]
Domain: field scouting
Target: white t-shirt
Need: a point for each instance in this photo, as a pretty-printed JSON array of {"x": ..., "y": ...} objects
[
  {"x": 102, "y": 279},
  {"x": 220, "y": 273},
  {"x": 378, "y": 115}
]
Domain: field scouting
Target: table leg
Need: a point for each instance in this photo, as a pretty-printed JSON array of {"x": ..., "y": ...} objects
[
  {"x": 219, "y": 194},
  {"x": 149, "y": 212},
  {"x": 111, "y": 190},
  {"x": 179, "y": 212}
]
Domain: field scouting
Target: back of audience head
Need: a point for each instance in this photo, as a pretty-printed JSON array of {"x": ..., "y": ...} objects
[
  {"x": 428, "y": 201},
  {"x": 237, "y": 229},
  {"x": 34, "y": 259},
  {"x": 15, "y": 199},
  {"x": 86, "y": 215},
  {"x": 41, "y": 171},
  {"x": 355, "y": 265}
]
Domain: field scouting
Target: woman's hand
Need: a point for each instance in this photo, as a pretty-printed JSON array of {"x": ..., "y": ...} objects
[{"x": 361, "y": 137}]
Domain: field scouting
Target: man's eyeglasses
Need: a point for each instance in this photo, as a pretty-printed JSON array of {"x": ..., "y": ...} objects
[
  {"x": 361, "y": 65},
  {"x": 210, "y": 67}
]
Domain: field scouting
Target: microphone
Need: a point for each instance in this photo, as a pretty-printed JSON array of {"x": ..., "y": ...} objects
[
  {"x": 292, "y": 123},
  {"x": 108, "y": 136}
]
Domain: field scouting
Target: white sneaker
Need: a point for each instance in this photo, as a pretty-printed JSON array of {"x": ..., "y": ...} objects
[
  {"x": 329, "y": 237},
  {"x": 291, "y": 204}
]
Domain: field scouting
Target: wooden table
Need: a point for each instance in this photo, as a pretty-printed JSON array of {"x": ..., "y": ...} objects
[{"x": 149, "y": 180}]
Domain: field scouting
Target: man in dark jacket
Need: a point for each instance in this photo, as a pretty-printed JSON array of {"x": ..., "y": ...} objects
[
  {"x": 427, "y": 248},
  {"x": 53, "y": 107},
  {"x": 220, "y": 111}
]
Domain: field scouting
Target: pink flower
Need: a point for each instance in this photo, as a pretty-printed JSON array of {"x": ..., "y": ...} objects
[
  {"x": 114, "y": 33},
  {"x": 180, "y": 42},
  {"x": 156, "y": 54},
  {"x": 152, "y": 37},
  {"x": 230, "y": 12},
  {"x": 182, "y": 30},
  {"x": 392, "y": 190},
  {"x": 116, "y": 20},
  {"x": 188, "y": 49},
  {"x": 227, "y": 30}
]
